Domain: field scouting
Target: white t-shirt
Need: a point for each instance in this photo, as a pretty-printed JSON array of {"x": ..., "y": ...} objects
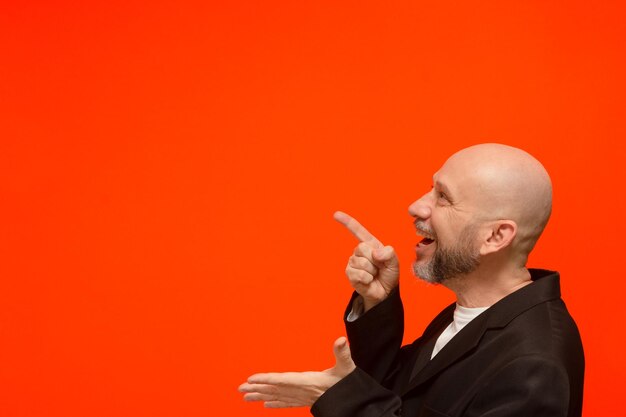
[{"x": 462, "y": 316}]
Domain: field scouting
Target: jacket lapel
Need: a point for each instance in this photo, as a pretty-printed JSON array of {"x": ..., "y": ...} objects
[
  {"x": 423, "y": 358},
  {"x": 497, "y": 316},
  {"x": 462, "y": 343},
  {"x": 430, "y": 336}
]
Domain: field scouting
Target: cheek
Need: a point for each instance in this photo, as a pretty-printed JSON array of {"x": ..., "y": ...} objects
[
  {"x": 440, "y": 225},
  {"x": 446, "y": 226}
]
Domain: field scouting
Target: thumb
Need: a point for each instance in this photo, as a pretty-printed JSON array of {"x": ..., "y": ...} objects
[
  {"x": 343, "y": 359},
  {"x": 387, "y": 256}
]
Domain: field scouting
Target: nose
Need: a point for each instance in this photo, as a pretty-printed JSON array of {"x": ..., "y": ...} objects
[{"x": 421, "y": 208}]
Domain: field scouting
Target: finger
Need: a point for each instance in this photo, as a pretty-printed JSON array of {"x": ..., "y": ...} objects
[
  {"x": 280, "y": 396},
  {"x": 359, "y": 262},
  {"x": 282, "y": 404},
  {"x": 359, "y": 276},
  {"x": 255, "y": 396},
  {"x": 343, "y": 357},
  {"x": 386, "y": 256},
  {"x": 364, "y": 249},
  {"x": 261, "y": 378},
  {"x": 356, "y": 228},
  {"x": 278, "y": 378},
  {"x": 259, "y": 388},
  {"x": 262, "y": 392}
]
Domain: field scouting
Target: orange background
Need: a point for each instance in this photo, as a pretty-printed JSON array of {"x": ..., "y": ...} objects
[{"x": 169, "y": 172}]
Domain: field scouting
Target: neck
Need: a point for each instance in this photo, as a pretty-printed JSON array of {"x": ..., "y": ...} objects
[{"x": 486, "y": 286}]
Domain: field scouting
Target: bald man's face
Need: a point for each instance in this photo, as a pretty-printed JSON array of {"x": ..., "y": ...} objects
[
  {"x": 445, "y": 218},
  {"x": 479, "y": 188}
]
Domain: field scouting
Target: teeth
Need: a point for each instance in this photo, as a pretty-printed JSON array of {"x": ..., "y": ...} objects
[{"x": 425, "y": 234}]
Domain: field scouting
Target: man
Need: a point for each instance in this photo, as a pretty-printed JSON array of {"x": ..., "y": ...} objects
[{"x": 507, "y": 347}]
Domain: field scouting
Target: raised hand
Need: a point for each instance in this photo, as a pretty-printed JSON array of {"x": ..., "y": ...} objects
[
  {"x": 298, "y": 389},
  {"x": 373, "y": 267}
]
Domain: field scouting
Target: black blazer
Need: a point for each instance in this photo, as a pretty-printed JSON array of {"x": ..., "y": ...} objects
[{"x": 521, "y": 357}]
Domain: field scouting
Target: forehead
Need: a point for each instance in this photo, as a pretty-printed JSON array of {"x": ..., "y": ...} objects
[
  {"x": 458, "y": 176},
  {"x": 447, "y": 176}
]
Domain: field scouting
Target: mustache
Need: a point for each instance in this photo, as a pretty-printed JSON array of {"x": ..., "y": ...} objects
[{"x": 420, "y": 225}]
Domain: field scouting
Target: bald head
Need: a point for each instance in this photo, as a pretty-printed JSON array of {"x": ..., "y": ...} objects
[{"x": 501, "y": 182}]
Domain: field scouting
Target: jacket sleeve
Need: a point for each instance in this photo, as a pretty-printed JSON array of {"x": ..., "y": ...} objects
[
  {"x": 528, "y": 386},
  {"x": 357, "y": 395},
  {"x": 376, "y": 337}
]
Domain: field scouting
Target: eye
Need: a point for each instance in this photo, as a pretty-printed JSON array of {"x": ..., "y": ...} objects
[{"x": 442, "y": 198}]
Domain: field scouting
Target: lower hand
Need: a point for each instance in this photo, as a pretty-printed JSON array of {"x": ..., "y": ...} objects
[{"x": 298, "y": 389}]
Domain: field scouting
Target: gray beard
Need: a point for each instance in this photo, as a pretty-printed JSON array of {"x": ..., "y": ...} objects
[{"x": 462, "y": 259}]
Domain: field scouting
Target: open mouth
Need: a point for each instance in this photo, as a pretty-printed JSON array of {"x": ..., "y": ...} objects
[
  {"x": 427, "y": 236},
  {"x": 426, "y": 233}
]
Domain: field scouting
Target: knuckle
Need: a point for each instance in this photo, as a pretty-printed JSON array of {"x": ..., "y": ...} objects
[
  {"x": 351, "y": 272},
  {"x": 358, "y": 276},
  {"x": 364, "y": 277},
  {"x": 356, "y": 262},
  {"x": 363, "y": 249},
  {"x": 353, "y": 277}
]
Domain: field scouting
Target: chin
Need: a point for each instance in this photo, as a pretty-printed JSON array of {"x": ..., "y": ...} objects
[{"x": 423, "y": 271}]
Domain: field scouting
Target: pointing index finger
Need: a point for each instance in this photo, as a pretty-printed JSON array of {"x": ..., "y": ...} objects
[{"x": 356, "y": 228}]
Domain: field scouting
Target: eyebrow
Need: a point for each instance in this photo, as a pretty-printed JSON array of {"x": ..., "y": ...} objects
[{"x": 443, "y": 188}]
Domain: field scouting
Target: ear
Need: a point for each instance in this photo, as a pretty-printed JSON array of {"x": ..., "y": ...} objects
[{"x": 502, "y": 234}]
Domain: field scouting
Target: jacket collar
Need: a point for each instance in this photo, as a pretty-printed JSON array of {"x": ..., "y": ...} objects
[{"x": 545, "y": 287}]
